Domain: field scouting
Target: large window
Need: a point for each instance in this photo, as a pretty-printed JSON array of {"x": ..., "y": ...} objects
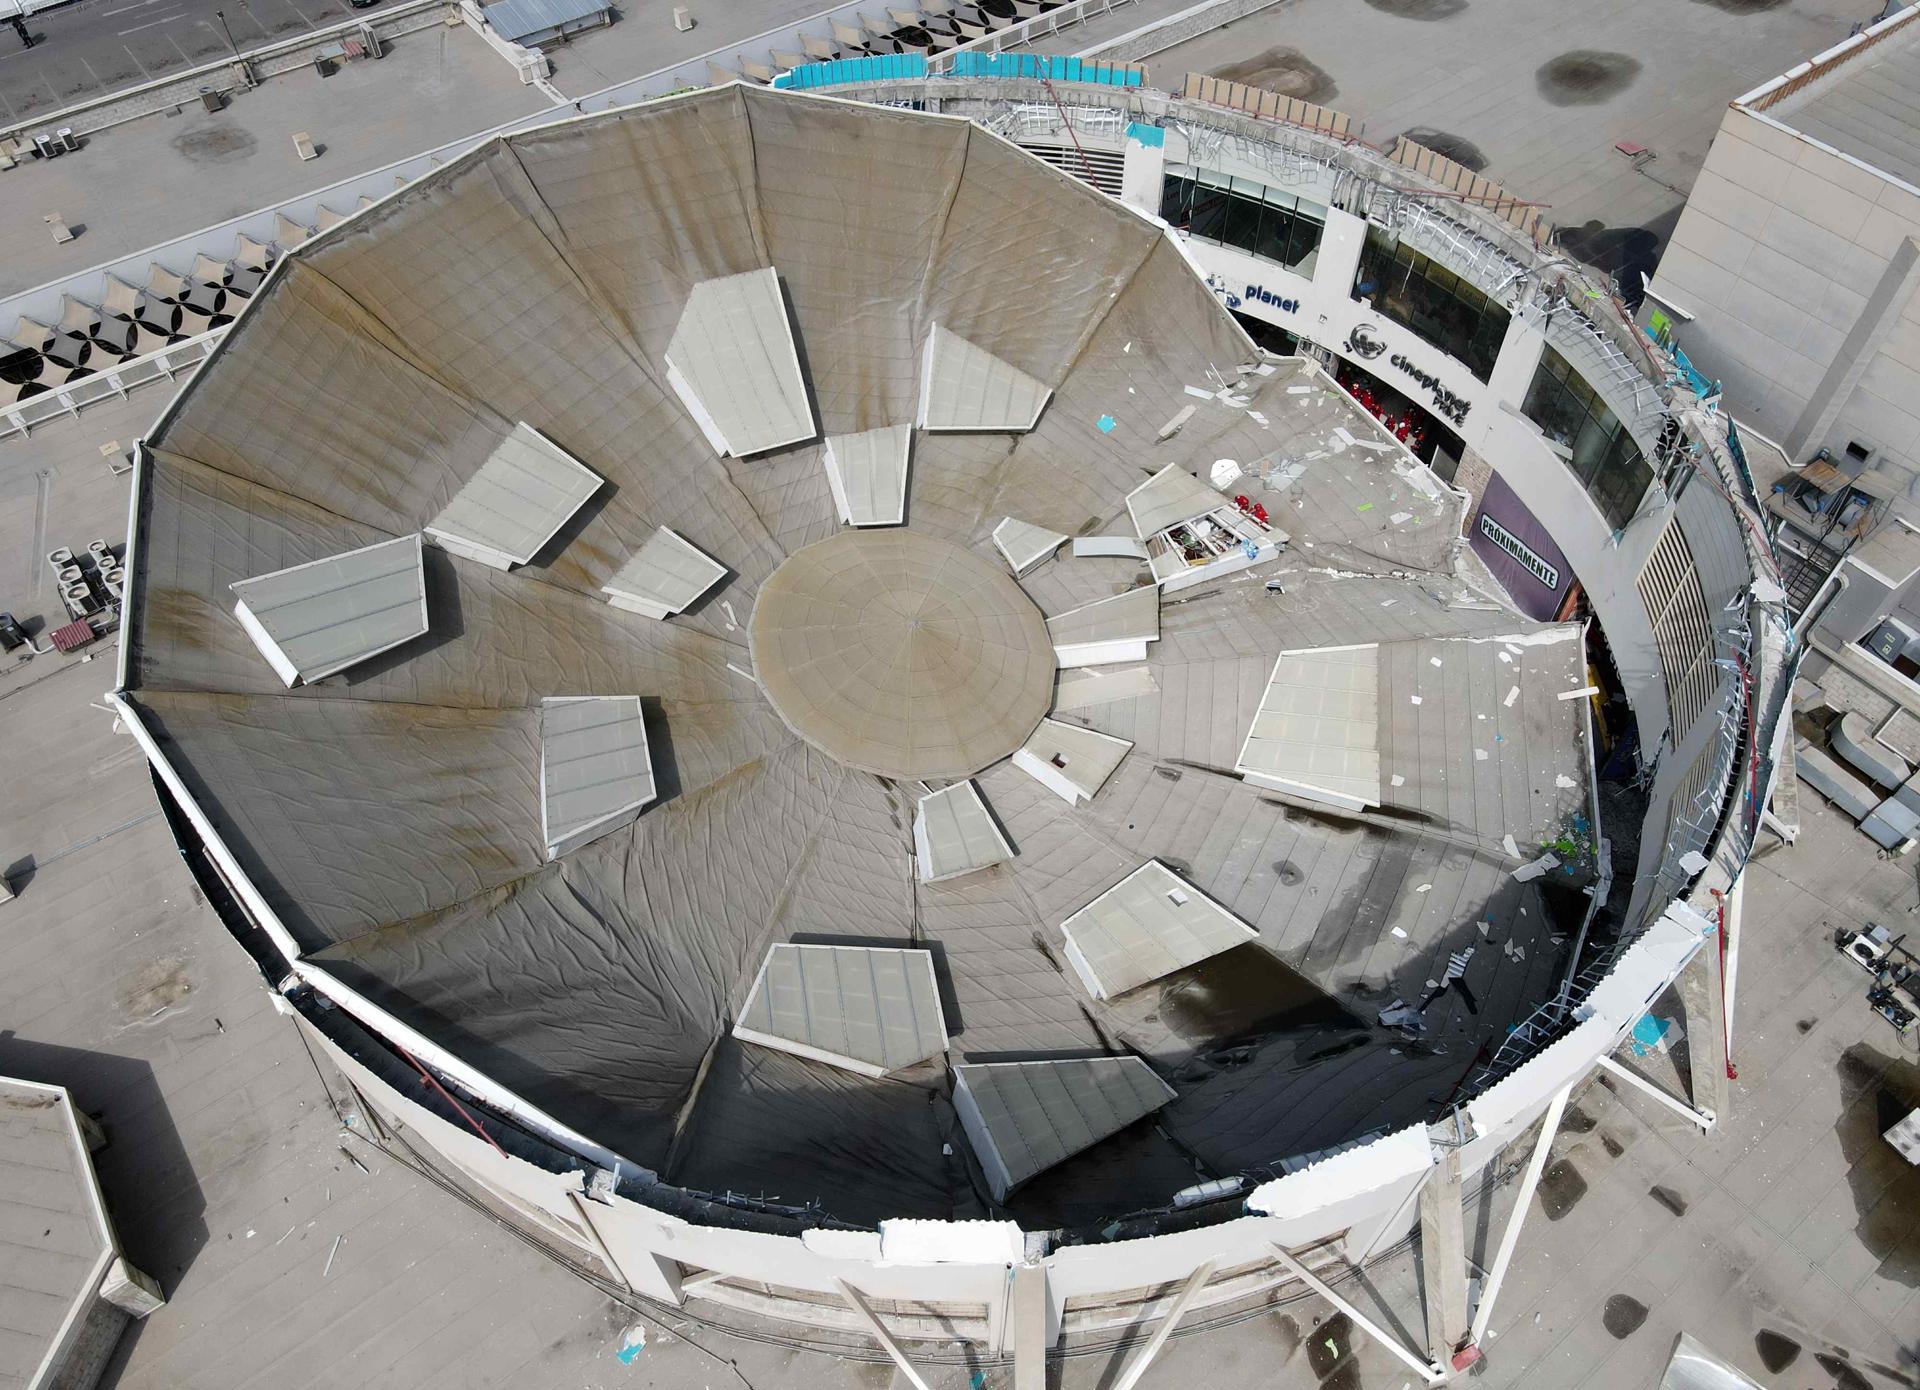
[
  {"x": 1261, "y": 221},
  {"x": 1418, "y": 292},
  {"x": 1589, "y": 436}
]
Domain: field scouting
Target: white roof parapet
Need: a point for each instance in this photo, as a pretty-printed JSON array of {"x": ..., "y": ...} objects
[
  {"x": 965, "y": 387},
  {"x": 1356, "y": 1173},
  {"x": 1025, "y": 546},
  {"x": 663, "y": 576},
  {"x": 1168, "y": 498},
  {"x": 1022, "y": 1118},
  {"x": 519, "y": 499},
  {"x": 1316, "y": 732},
  {"x": 955, "y": 834},
  {"x": 1071, "y": 762},
  {"x": 733, "y": 363},
  {"x": 872, "y": 1010},
  {"x": 905, "y": 1240},
  {"x": 315, "y": 620},
  {"x": 1108, "y": 631},
  {"x": 596, "y": 770},
  {"x": 868, "y": 475},
  {"x": 1149, "y": 924}
]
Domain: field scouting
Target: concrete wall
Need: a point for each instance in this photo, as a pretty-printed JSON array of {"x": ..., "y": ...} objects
[{"x": 1788, "y": 257}]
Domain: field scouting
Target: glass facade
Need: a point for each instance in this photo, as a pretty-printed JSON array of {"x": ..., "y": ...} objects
[
  {"x": 1587, "y": 434},
  {"x": 1418, "y": 292},
  {"x": 1242, "y": 213}
]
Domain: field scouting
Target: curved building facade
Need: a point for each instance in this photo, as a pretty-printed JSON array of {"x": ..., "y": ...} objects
[{"x": 796, "y": 706}]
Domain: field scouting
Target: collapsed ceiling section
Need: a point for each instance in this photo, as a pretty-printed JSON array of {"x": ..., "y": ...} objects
[{"x": 776, "y": 814}]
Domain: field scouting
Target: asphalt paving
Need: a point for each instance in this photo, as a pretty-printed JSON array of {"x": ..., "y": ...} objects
[{"x": 90, "y": 48}]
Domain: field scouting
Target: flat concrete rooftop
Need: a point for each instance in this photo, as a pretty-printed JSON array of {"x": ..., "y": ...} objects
[{"x": 1535, "y": 97}]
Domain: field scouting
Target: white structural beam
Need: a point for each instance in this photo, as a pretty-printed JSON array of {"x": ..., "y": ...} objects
[
  {"x": 881, "y": 1335},
  {"x": 1032, "y": 1332},
  {"x": 1647, "y": 1088},
  {"x": 1428, "y": 1372},
  {"x": 1510, "y": 1237},
  {"x": 1138, "y": 1366},
  {"x": 1730, "y": 907}
]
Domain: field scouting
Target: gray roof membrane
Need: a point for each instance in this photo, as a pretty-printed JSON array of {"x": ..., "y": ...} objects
[
  {"x": 954, "y": 834},
  {"x": 1866, "y": 107},
  {"x": 523, "y": 494},
  {"x": 601, "y": 987},
  {"x": 873, "y": 1010},
  {"x": 1150, "y": 924},
  {"x": 663, "y": 576},
  {"x": 1071, "y": 761},
  {"x": 1023, "y": 545},
  {"x": 514, "y": 20},
  {"x": 316, "y": 619},
  {"x": 596, "y": 771},
  {"x": 965, "y": 387},
  {"x": 51, "y": 1234},
  {"x": 1109, "y": 629},
  {"x": 1317, "y": 731},
  {"x": 868, "y": 475},
  {"x": 1024, "y": 1117},
  {"x": 1168, "y": 498},
  {"x": 733, "y": 362}
]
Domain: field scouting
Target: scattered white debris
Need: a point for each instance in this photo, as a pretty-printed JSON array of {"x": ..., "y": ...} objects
[
  {"x": 1388, "y": 602},
  {"x": 1513, "y": 693},
  {"x": 1433, "y": 661},
  {"x": 1223, "y": 472},
  {"x": 1414, "y": 698},
  {"x": 1536, "y": 868},
  {"x": 1201, "y": 392},
  {"x": 1506, "y": 843},
  {"x": 1401, "y": 518},
  {"x": 337, "y": 1240},
  {"x": 1424, "y": 888},
  {"x": 1484, "y": 928},
  {"x": 1576, "y": 694},
  {"x": 1397, "y": 932},
  {"x": 1504, "y": 657},
  {"x": 1299, "y": 390},
  {"x": 1398, "y": 780},
  {"x": 1564, "y": 782},
  {"x": 1479, "y": 755}
]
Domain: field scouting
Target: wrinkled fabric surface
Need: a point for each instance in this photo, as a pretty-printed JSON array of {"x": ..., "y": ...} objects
[{"x": 391, "y": 815}]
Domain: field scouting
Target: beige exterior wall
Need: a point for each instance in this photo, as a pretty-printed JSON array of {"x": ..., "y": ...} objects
[{"x": 1785, "y": 251}]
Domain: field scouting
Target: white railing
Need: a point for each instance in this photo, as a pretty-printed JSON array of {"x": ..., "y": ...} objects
[{"x": 63, "y": 402}]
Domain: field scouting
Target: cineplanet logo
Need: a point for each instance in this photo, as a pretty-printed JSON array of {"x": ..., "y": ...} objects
[{"x": 1364, "y": 342}]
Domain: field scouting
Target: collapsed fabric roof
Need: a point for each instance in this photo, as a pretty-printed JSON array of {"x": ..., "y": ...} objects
[{"x": 542, "y": 279}]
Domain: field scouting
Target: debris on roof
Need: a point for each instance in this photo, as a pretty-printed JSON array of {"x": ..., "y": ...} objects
[
  {"x": 964, "y": 387},
  {"x": 1317, "y": 730},
  {"x": 315, "y": 620},
  {"x": 733, "y": 363},
  {"x": 1022, "y": 1118},
  {"x": 663, "y": 576},
  {"x": 1150, "y": 924},
  {"x": 523, "y": 494},
  {"x": 1109, "y": 630},
  {"x": 596, "y": 771},
  {"x": 868, "y": 475},
  {"x": 1168, "y": 498},
  {"x": 872, "y": 1010},
  {"x": 1023, "y": 545},
  {"x": 954, "y": 834},
  {"x": 1069, "y": 761}
]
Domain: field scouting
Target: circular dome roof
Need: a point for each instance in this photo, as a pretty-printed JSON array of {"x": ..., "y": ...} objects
[{"x": 902, "y": 654}]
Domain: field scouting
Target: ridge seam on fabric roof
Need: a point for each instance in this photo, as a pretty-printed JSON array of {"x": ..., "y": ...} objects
[
  {"x": 922, "y": 323},
  {"x": 547, "y": 223}
]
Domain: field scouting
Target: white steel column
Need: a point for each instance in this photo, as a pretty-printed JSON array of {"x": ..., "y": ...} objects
[
  {"x": 1510, "y": 1237},
  {"x": 1138, "y": 1366},
  {"x": 1647, "y": 1088},
  {"x": 1430, "y": 1374},
  {"x": 881, "y": 1335},
  {"x": 1443, "y": 1256}
]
